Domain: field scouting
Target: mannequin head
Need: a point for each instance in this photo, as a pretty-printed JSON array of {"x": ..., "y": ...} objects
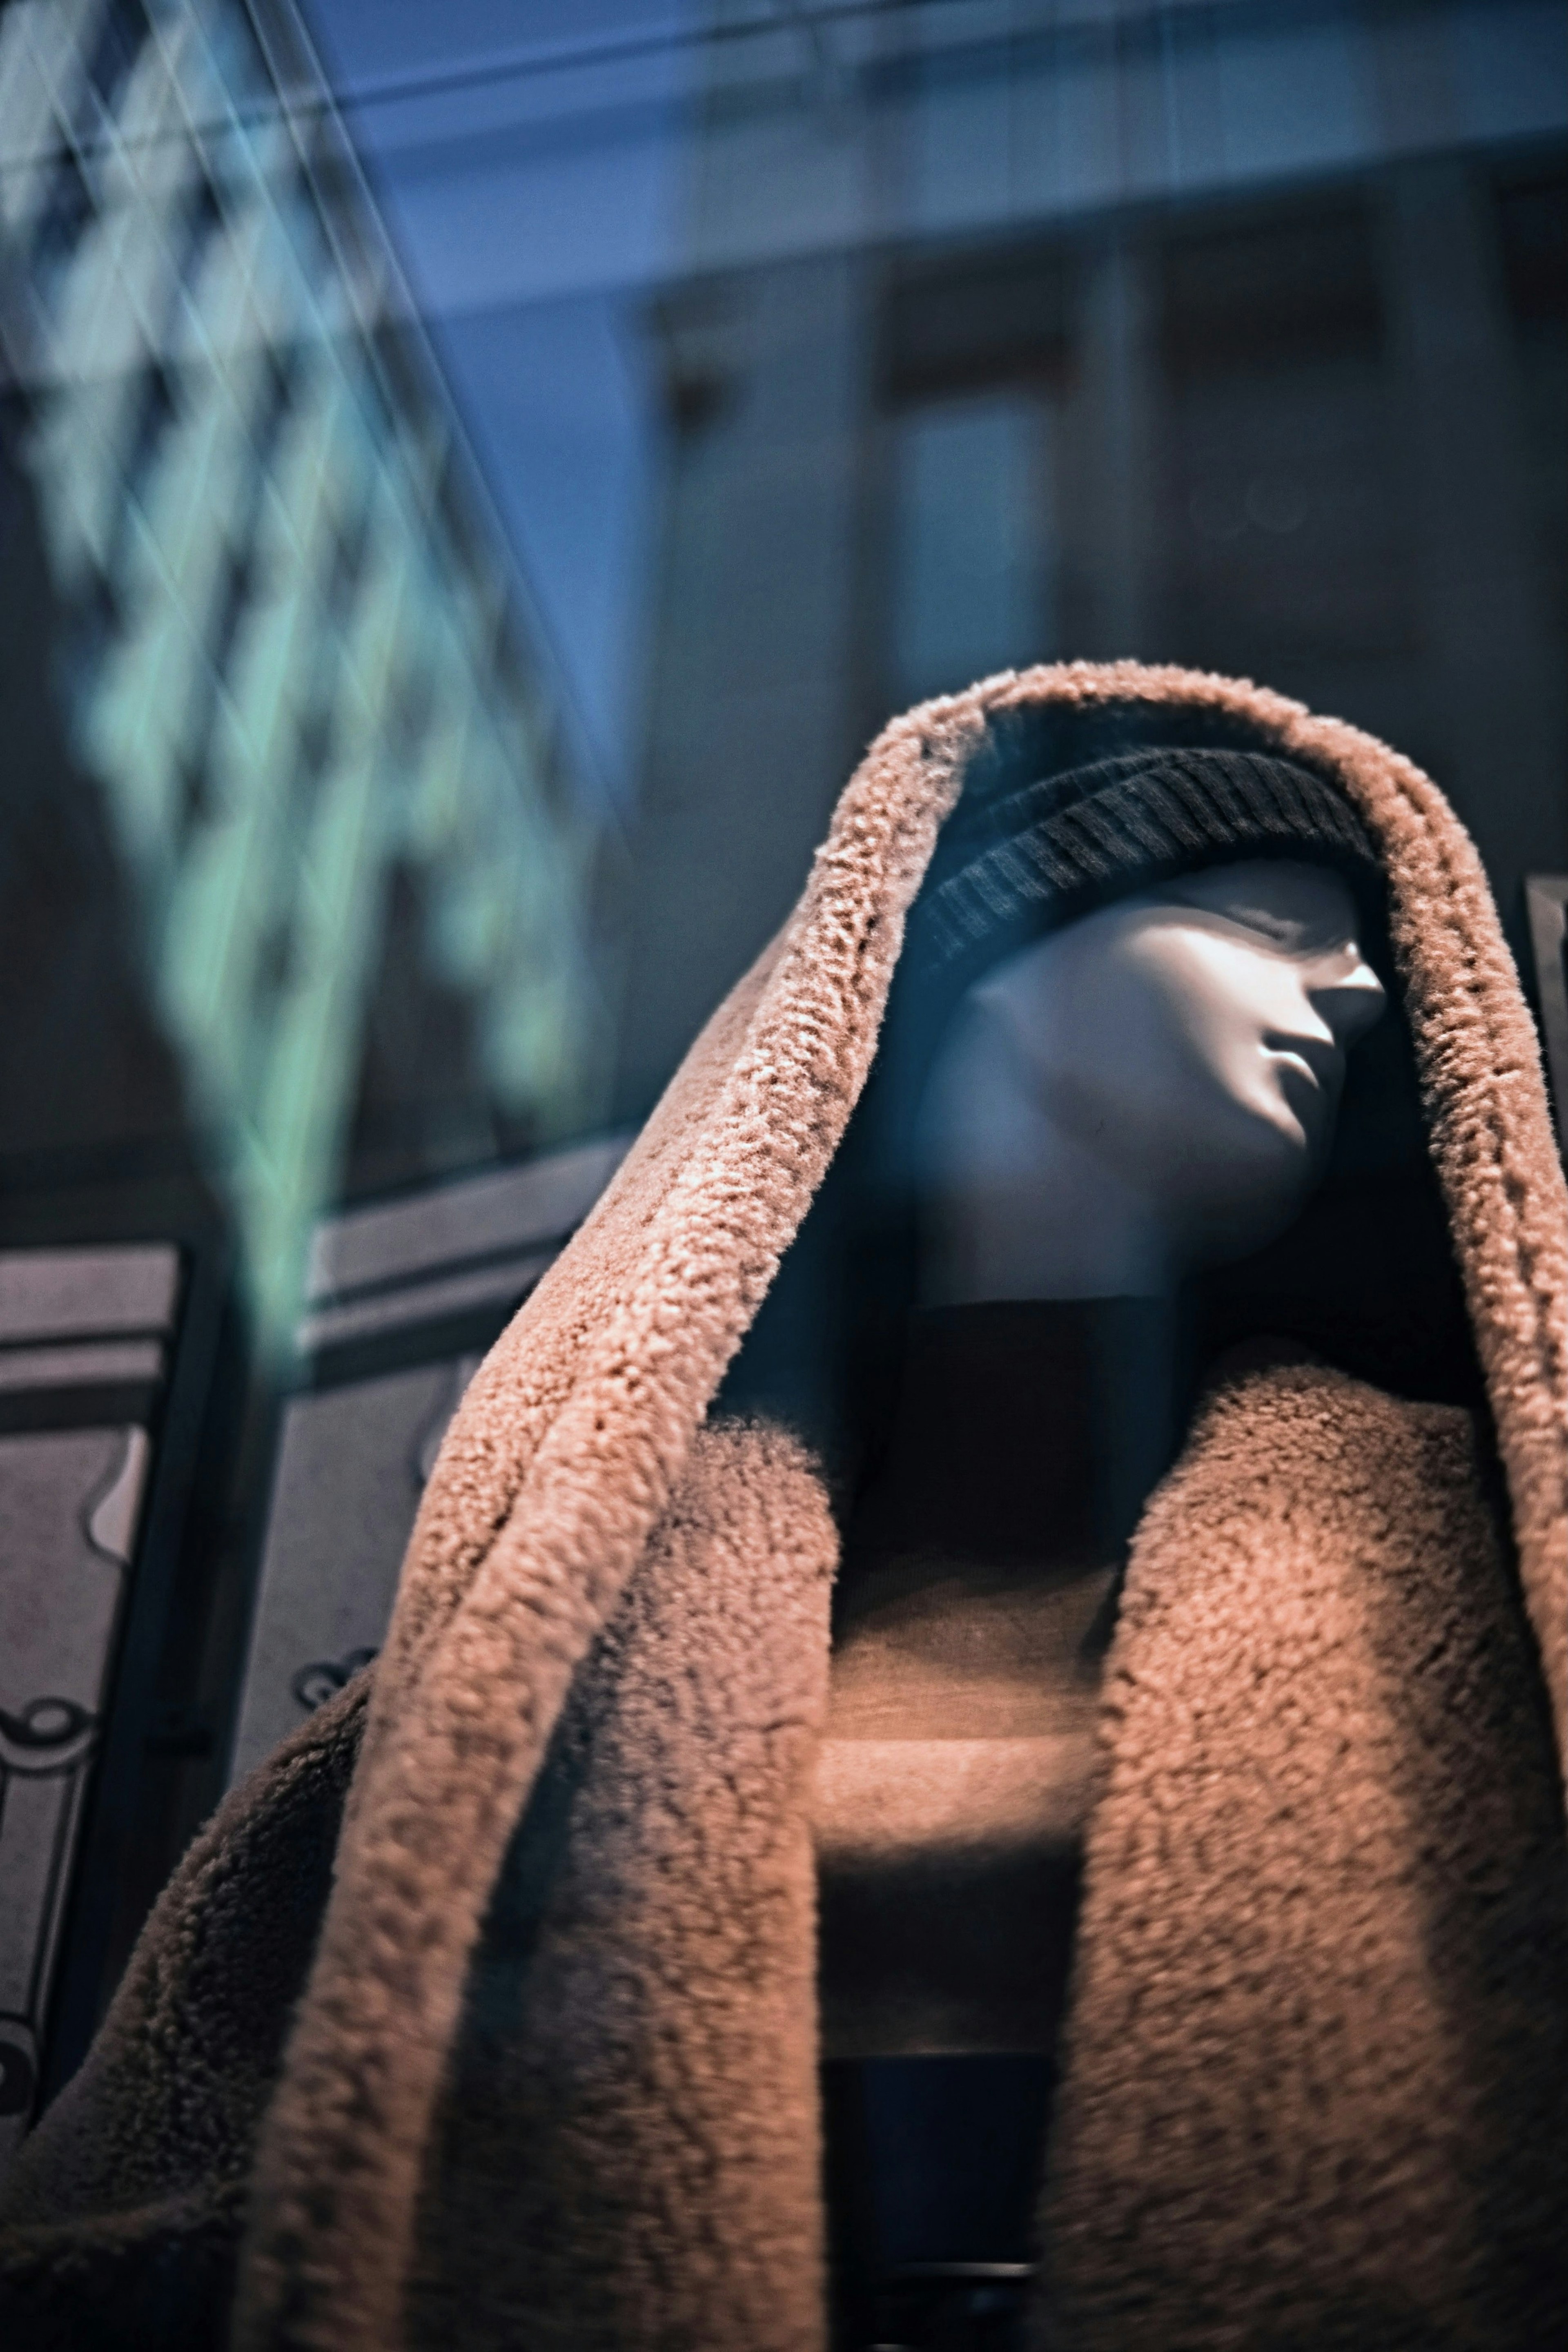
[{"x": 1148, "y": 1090}]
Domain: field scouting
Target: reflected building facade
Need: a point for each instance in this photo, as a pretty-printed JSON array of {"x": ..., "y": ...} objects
[
  {"x": 305, "y": 773},
  {"x": 1232, "y": 336}
]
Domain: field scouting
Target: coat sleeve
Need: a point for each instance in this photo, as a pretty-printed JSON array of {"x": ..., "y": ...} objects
[{"x": 120, "y": 2218}]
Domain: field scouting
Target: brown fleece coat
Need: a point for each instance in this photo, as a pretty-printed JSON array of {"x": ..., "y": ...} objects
[{"x": 547, "y": 2075}]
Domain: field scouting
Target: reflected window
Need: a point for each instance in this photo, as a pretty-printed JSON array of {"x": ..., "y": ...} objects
[
  {"x": 975, "y": 377},
  {"x": 972, "y": 541}
]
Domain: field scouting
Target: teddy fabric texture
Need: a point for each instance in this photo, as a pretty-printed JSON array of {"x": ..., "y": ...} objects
[{"x": 484, "y": 2013}]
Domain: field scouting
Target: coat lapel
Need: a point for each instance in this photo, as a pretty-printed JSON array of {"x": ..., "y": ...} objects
[
  {"x": 1315, "y": 2078},
  {"x": 627, "y": 2156}
]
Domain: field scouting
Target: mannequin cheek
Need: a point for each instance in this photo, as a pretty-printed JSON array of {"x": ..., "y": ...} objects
[
  {"x": 1134, "y": 1032},
  {"x": 1190, "y": 1055},
  {"x": 1219, "y": 1117},
  {"x": 1210, "y": 1007}
]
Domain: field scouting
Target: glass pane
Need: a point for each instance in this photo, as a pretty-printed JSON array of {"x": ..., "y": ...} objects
[{"x": 473, "y": 480}]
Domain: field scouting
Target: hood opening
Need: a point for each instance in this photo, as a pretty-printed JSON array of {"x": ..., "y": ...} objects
[{"x": 1365, "y": 1279}]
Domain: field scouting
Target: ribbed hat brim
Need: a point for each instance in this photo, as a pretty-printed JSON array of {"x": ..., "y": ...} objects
[{"x": 1014, "y": 868}]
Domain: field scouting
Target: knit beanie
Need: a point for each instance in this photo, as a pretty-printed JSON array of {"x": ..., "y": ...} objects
[{"x": 1011, "y": 869}]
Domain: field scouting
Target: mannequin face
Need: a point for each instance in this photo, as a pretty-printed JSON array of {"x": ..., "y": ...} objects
[{"x": 1153, "y": 1088}]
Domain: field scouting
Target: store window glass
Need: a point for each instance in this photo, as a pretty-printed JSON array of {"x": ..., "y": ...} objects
[{"x": 472, "y": 480}]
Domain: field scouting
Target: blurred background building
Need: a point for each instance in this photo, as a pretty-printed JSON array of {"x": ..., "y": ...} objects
[
  {"x": 1225, "y": 334},
  {"x": 827, "y": 355},
  {"x": 296, "y": 858},
  {"x": 472, "y": 480}
]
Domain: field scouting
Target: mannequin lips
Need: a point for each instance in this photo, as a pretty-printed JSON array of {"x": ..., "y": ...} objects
[
  {"x": 1309, "y": 1073},
  {"x": 1321, "y": 1062}
]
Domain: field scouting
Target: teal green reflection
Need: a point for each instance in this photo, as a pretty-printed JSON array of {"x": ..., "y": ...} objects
[{"x": 297, "y": 666}]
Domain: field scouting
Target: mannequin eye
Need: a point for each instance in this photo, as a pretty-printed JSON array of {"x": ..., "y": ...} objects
[
  {"x": 1285, "y": 930},
  {"x": 1264, "y": 922},
  {"x": 1297, "y": 908}
]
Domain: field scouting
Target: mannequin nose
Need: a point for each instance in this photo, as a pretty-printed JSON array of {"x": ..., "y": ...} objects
[{"x": 1350, "y": 1003}]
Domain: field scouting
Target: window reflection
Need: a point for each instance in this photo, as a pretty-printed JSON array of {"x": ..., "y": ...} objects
[
  {"x": 468, "y": 494},
  {"x": 285, "y": 650}
]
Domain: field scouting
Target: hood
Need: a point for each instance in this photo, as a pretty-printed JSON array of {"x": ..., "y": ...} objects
[{"x": 575, "y": 1429}]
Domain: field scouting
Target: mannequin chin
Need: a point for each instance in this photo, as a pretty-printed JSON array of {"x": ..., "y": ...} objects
[{"x": 1151, "y": 1089}]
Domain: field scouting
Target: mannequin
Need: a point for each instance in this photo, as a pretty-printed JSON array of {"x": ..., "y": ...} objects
[
  {"x": 1152, "y": 1090},
  {"x": 1146, "y": 1092}
]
